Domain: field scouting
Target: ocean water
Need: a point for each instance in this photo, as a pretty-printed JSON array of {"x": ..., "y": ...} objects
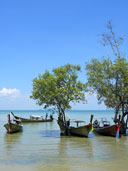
[{"x": 40, "y": 146}]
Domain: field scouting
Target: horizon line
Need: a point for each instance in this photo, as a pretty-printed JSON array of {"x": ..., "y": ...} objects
[{"x": 55, "y": 110}]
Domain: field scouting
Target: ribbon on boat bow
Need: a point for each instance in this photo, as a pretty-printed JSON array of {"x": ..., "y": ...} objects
[
  {"x": 118, "y": 128},
  {"x": 90, "y": 124},
  {"x": 92, "y": 127},
  {"x": 118, "y": 124}
]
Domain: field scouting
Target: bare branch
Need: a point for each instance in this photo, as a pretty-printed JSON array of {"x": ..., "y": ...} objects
[{"x": 110, "y": 39}]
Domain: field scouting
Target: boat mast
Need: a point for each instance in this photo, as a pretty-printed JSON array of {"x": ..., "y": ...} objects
[{"x": 9, "y": 125}]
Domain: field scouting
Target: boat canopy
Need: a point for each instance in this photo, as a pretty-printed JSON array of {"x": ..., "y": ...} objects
[
  {"x": 34, "y": 117},
  {"x": 79, "y": 121}
]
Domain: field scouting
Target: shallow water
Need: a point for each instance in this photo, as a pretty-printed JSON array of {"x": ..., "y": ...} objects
[{"x": 40, "y": 146}]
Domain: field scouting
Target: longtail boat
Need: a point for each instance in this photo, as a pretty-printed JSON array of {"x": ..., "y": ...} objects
[
  {"x": 13, "y": 127},
  {"x": 81, "y": 130},
  {"x": 106, "y": 129},
  {"x": 33, "y": 119}
]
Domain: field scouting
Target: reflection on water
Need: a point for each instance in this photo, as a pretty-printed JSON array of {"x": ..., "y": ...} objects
[
  {"x": 11, "y": 140},
  {"x": 40, "y": 147},
  {"x": 50, "y": 133},
  {"x": 75, "y": 150}
]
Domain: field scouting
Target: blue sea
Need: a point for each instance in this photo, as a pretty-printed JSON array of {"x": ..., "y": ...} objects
[{"x": 40, "y": 146}]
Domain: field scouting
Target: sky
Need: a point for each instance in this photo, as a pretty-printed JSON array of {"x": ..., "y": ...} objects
[{"x": 36, "y": 35}]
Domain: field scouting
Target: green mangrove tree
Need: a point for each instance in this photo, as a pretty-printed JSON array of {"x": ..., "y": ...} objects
[{"x": 58, "y": 89}]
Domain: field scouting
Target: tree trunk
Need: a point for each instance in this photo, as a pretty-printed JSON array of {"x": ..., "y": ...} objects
[
  {"x": 62, "y": 124},
  {"x": 115, "y": 118},
  {"x": 123, "y": 126}
]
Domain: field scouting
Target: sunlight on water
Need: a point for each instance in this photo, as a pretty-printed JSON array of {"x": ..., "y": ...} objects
[{"x": 40, "y": 147}]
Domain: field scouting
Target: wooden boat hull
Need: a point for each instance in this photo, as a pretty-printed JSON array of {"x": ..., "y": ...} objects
[
  {"x": 81, "y": 130},
  {"x": 13, "y": 128},
  {"x": 32, "y": 121},
  {"x": 107, "y": 131}
]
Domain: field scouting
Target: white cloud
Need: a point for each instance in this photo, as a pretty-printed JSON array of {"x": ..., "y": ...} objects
[
  {"x": 13, "y": 99},
  {"x": 9, "y": 92}
]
